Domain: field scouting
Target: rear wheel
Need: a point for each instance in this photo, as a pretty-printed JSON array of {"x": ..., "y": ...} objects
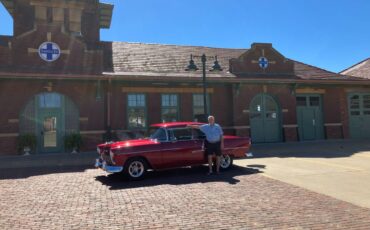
[
  {"x": 226, "y": 162},
  {"x": 135, "y": 169}
]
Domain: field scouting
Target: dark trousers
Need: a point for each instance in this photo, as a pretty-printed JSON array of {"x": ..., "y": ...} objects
[{"x": 212, "y": 148}]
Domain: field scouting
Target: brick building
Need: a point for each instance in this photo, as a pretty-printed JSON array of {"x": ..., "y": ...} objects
[{"x": 58, "y": 77}]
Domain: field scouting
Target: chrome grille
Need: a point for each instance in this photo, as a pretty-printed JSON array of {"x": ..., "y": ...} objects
[{"x": 106, "y": 157}]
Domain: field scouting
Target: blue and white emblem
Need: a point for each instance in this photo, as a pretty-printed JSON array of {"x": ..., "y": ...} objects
[
  {"x": 49, "y": 51},
  {"x": 263, "y": 62}
]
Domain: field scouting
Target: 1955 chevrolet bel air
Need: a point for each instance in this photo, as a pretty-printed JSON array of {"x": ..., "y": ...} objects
[{"x": 170, "y": 145}]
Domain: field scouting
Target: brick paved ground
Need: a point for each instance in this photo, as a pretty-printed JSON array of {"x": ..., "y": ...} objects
[{"x": 176, "y": 199}]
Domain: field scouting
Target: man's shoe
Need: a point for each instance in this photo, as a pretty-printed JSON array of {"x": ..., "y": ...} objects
[{"x": 209, "y": 173}]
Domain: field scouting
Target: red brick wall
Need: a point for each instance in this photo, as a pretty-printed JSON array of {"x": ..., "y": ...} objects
[
  {"x": 90, "y": 141},
  {"x": 333, "y": 112},
  {"x": 15, "y": 94},
  {"x": 8, "y": 146},
  {"x": 334, "y": 132},
  {"x": 118, "y": 108},
  {"x": 222, "y": 105},
  {"x": 343, "y": 104},
  {"x": 23, "y": 19},
  {"x": 331, "y": 105},
  {"x": 154, "y": 112},
  {"x": 287, "y": 101},
  {"x": 78, "y": 61},
  {"x": 242, "y": 99},
  {"x": 242, "y": 132},
  {"x": 290, "y": 134},
  {"x": 186, "y": 107}
]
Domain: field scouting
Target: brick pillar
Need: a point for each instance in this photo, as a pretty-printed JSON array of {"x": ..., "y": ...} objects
[
  {"x": 334, "y": 132},
  {"x": 290, "y": 134},
  {"x": 344, "y": 114}
]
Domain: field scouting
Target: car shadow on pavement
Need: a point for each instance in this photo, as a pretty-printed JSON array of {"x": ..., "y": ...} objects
[
  {"x": 22, "y": 173},
  {"x": 178, "y": 176}
]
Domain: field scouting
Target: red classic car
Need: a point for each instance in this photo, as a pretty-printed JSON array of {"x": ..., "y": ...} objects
[{"x": 170, "y": 145}]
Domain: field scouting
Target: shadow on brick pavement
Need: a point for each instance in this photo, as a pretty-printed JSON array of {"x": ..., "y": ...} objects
[
  {"x": 22, "y": 173},
  {"x": 179, "y": 176}
]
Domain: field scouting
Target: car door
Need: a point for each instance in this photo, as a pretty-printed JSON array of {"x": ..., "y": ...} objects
[{"x": 180, "y": 148}]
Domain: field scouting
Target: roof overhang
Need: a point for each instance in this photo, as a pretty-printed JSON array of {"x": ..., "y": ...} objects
[{"x": 105, "y": 15}]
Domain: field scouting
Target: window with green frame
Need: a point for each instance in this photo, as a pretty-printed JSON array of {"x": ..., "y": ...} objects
[
  {"x": 198, "y": 105},
  {"x": 170, "y": 110},
  {"x": 136, "y": 111}
]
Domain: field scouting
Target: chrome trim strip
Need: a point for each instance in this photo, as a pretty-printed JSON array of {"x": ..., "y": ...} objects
[
  {"x": 159, "y": 150},
  {"x": 108, "y": 168},
  {"x": 249, "y": 154}
]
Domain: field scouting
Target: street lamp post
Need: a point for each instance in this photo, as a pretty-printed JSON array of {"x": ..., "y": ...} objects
[
  {"x": 193, "y": 67},
  {"x": 204, "y": 60}
]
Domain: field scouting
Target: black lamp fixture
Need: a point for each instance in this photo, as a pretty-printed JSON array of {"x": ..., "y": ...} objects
[
  {"x": 193, "y": 67},
  {"x": 216, "y": 66}
]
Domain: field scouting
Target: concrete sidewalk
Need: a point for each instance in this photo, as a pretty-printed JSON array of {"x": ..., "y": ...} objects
[
  {"x": 48, "y": 160},
  {"x": 340, "y": 169},
  {"x": 320, "y": 148}
]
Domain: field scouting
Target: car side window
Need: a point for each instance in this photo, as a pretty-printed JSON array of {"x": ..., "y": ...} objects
[
  {"x": 159, "y": 134},
  {"x": 181, "y": 134},
  {"x": 198, "y": 135}
]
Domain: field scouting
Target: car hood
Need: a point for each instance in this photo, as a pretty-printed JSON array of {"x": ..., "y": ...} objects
[{"x": 129, "y": 143}]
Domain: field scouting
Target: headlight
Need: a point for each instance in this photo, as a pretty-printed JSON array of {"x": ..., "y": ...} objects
[{"x": 111, "y": 154}]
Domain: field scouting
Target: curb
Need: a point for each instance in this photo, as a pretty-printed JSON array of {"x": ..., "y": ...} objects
[{"x": 48, "y": 160}]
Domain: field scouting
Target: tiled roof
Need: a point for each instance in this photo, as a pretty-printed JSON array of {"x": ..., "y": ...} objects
[
  {"x": 157, "y": 58},
  {"x": 171, "y": 60},
  {"x": 361, "y": 70},
  {"x": 305, "y": 71}
]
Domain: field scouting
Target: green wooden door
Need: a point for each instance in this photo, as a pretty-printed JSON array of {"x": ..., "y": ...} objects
[
  {"x": 50, "y": 131},
  {"x": 309, "y": 114},
  {"x": 359, "y": 115},
  {"x": 264, "y": 119},
  {"x": 50, "y": 122}
]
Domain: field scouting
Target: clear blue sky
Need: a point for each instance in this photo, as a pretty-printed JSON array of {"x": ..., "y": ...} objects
[{"x": 331, "y": 34}]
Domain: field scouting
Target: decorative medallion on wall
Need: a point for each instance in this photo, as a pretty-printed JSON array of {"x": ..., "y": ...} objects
[
  {"x": 49, "y": 51},
  {"x": 263, "y": 62}
]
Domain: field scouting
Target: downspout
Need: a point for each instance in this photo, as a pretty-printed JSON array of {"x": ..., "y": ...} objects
[{"x": 108, "y": 128}]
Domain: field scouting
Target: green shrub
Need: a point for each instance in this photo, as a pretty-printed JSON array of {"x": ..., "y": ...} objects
[
  {"x": 26, "y": 140},
  {"x": 73, "y": 141}
]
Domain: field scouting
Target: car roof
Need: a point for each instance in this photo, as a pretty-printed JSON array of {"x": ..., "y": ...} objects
[{"x": 175, "y": 124}]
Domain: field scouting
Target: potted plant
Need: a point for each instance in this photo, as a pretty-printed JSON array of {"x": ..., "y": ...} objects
[
  {"x": 73, "y": 142},
  {"x": 26, "y": 143}
]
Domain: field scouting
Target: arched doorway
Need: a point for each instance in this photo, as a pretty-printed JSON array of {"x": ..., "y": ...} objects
[
  {"x": 49, "y": 116},
  {"x": 265, "y": 119}
]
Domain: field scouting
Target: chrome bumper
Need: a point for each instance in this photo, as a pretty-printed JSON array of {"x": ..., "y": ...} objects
[
  {"x": 249, "y": 154},
  {"x": 108, "y": 168}
]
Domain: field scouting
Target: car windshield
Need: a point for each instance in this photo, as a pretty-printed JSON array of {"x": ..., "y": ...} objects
[{"x": 158, "y": 133}]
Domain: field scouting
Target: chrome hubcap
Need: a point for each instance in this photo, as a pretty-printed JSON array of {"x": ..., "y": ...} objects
[
  {"x": 225, "y": 161},
  {"x": 136, "y": 169}
]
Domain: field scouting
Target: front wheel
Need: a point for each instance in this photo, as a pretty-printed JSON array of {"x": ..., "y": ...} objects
[
  {"x": 135, "y": 169},
  {"x": 226, "y": 162}
]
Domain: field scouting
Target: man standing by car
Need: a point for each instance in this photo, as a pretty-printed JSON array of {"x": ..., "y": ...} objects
[{"x": 214, "y": 142}]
